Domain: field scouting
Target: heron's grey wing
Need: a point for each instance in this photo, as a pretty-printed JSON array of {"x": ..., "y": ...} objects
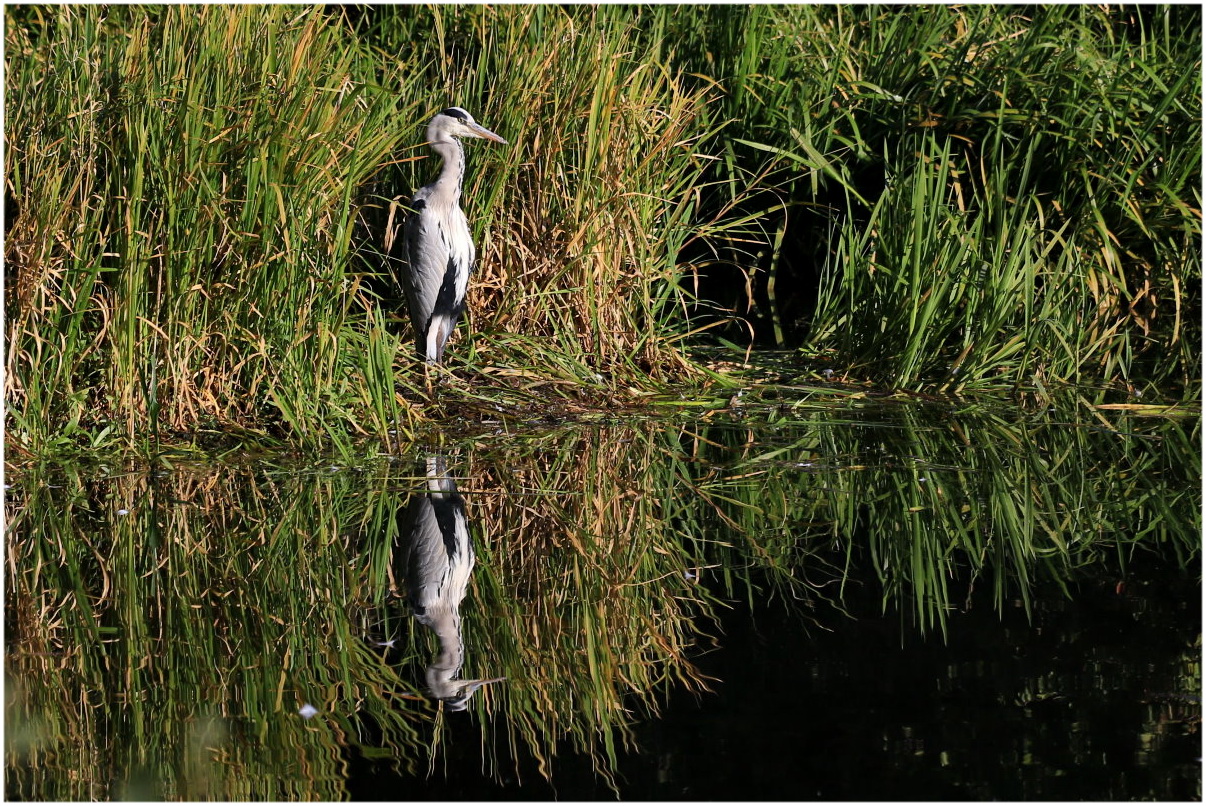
[{"x": 426, "y": 258}]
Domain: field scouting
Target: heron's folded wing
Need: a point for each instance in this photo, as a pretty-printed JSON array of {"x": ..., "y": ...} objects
[{"x": 427, "y": 259}]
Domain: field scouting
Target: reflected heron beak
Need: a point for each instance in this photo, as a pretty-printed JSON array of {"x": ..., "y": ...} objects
[
  {"x": 471, "y": 686},
  {"x": 467, "y": 688}
]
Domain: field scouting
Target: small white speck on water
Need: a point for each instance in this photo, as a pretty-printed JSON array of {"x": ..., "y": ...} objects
[{"x": 307, "y": 711}]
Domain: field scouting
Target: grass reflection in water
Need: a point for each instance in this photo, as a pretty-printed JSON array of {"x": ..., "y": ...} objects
[{"x": 165, "y": 628}]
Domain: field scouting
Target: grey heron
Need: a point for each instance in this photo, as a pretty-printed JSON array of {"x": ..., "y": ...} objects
[
  {"x": 435, "y": 558},
  {"x": 438, "y": 248}
]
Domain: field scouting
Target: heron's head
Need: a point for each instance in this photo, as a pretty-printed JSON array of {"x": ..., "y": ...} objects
[{"x": 456, "y": 122}]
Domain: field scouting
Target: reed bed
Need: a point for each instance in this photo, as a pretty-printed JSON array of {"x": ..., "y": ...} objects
[
  {"x": 997, "y": 198},
  {"x": 982, "y": 199},
  {"x": 184, "y": 182}
]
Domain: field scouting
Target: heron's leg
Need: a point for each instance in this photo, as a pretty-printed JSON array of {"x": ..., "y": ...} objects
[
  {"x": 437, "y": 336},
  {"x": 431, "y": 350},
  {"x": 434, "y": 371},
  {"x": 428, "y": 369}
]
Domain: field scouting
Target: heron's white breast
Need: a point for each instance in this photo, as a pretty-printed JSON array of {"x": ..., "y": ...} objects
[{"x": 460, "y": 249}]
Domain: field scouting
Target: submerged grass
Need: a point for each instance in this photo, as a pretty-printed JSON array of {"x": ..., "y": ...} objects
[{"x": 977, "y": 199}]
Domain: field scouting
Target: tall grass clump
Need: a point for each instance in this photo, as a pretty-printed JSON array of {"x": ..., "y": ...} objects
[
  {"x": 203, "y": 199},
  {"x": 972, "y": 197},
  {"x": 582, "y": 220},
  {"x": 184, "y": 184}
]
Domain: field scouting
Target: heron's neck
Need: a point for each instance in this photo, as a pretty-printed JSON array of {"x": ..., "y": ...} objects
[{"x": 453, "y": 172}]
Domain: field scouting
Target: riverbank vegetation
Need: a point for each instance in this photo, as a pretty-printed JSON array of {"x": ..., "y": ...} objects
[{"x": 988, "y": 200}]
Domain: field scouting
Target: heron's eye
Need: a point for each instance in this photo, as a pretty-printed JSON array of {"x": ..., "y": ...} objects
[{"x": 456, "y": 112}]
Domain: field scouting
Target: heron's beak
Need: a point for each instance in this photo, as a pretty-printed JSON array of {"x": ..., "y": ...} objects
[{"x": 484, "y": 133}]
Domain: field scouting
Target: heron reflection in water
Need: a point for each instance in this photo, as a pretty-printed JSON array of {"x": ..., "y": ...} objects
[{"x": 433, "y": 560}]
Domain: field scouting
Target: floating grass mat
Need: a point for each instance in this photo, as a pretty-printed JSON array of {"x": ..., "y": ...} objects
[{"x": 458, "y": 410}]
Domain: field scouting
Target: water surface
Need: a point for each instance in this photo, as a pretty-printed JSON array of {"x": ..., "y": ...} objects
[{"x": 804, "y": 603}]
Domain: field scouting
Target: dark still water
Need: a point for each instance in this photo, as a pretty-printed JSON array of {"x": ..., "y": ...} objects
[
  {"x": 1092, "y": 699},
  {"x": 855, "y": 604}
]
